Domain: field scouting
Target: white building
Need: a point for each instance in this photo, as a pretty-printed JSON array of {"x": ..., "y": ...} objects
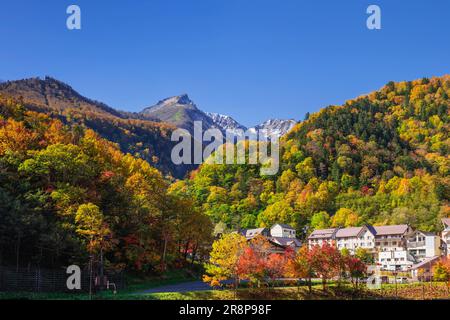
[
  {"x": 282, "y": 231},
  {"x": 422, "y": 245},
  {"x": 390, "y": 242},
  {"x": 396, "y": 260},
  {"x": 446, "y": 236}
]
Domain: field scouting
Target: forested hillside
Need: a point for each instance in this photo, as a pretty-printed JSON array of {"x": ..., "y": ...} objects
[
  {"x": 381, "y": 158},
  {"x": 147, "y": 138},
  {"x": 66, "y": 193}
]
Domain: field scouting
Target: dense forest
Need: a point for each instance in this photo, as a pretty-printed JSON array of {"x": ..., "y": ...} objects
[
  {"x": 382, "y": 158},
  {"x": 66, "y": 194}
]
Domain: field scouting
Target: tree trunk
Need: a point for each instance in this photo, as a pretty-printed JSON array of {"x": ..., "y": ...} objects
[
  {"x": 186, "y": 249},
  {"x": 310, "y": 285},
  {"x": 194, "y": 253},
  {"x": 163, "y": 259}
]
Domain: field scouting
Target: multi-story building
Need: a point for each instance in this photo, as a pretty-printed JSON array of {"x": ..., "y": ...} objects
[
  {"x": 391, "y": 245},
  {"x": 422, "y": 245},
  {"x": 321, "y": 236},
  {"x": 446, "y": 236}
]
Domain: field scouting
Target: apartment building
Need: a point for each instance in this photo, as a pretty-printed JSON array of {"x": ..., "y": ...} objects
[{"x": 389, "y": 244}]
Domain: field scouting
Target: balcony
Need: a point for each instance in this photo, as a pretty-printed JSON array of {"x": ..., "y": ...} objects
[{"x": 416, "y": 244}]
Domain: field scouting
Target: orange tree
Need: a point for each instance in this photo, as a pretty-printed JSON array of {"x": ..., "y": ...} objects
[
  {"x": 441, "y": 271},
  {"x": 253, "y": 264},
  {"x": 300, "y": 265},
  {"x": 326, "y": 262}
]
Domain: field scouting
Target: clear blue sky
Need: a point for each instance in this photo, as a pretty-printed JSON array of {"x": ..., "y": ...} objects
[{"x": 251, "y": 59}]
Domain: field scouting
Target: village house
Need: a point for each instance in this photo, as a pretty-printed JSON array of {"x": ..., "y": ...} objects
[
  {"x": 282, "y": 231},
  {"x": 280, "y": 236}
]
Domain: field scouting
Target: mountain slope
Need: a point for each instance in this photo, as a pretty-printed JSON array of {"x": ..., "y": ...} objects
[
  {"x": 54, "y": 95},
  {"x": 144, "y": 138},
  {"x": 179, "y": 111},
  {"x": 380, "y": 158}
]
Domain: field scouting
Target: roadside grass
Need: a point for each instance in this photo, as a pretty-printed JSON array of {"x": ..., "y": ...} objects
[{"x": 334, "y": 291}]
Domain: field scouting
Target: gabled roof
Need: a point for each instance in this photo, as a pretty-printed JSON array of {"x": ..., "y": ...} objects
[
  {"x": 425, "y": 233},
  {"x": 322, "y": 233},
  {"x": 391, "y": 230},
  {"x": 250, "y": 233},
  {"x": 284, "y": 226},
  {"x": 349, "y": 232},
  {"x": 425, "y": 262},
  {"x": 284, "y": 242}
]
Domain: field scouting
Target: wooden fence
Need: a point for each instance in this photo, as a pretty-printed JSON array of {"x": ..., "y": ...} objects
[{"x": 47, "y": 280}]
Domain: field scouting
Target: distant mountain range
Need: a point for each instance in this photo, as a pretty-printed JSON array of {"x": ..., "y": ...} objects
[
  {"x": 181, "y": 111},
  {"x": 145, "y": 134}
]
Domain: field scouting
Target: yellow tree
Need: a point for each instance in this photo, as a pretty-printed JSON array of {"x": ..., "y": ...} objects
[
  {"x": 90, "y": 224},
  {"x": 224, "y": 258},
  {"x": 344, "y": 218}
]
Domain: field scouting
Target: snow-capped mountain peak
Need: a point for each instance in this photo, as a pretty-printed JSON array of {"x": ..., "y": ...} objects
[
  {"x": 276, "y": 126},
  {"x": 225, "y": 122}
]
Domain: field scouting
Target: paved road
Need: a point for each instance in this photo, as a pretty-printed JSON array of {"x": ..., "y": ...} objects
[{"x": 180, "y": 287}]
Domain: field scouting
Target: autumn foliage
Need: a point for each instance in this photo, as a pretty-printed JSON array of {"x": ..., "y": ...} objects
[{"x": 67, "y": 194}]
